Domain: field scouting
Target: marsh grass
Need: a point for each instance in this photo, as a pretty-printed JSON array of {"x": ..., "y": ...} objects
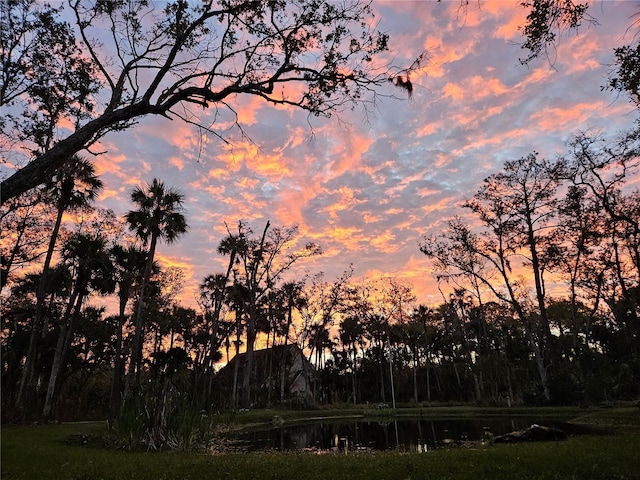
[
  {"x": 44, "y": 452},
  {"x": 161, "y": 417}
]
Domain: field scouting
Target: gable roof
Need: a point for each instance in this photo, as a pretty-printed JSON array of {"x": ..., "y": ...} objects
[{"x": 266, "y": 367}]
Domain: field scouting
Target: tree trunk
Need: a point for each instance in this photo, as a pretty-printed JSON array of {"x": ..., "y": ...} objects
[
  {"x": 381, "y": 370},
  {"x": 215, "y": 320},
  {"x": 353, "y": 371},
  {"x": 428, "y": 382},
  {"x": 45, "y": 166},
  {"x": 55, "y": 369},
  {"x": 539, "y": 359},
  {"x": 118, "y": 372},
  {"x": 136, "y": 347},
  {"x": 64, "y": 339},
  {"x": 29, "y": 365},
  {"x": 393, "y": 389},
  {"x": 415, "y": 374},
  {"x": 538, "y": 353},
  {"x": 547, "y": 345},
  {"x": 283, "y": 363},
  {"x": 234, "y": 393},
  {"x": 245, "y": 400}
]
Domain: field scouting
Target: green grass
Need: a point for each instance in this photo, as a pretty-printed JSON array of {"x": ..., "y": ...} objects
[{"x": 43, "y": 453}]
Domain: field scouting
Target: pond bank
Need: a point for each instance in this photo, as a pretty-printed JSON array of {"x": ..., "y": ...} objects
[
  {"x": 41, "y": 453},
  {"x": 408, "y": 430}
]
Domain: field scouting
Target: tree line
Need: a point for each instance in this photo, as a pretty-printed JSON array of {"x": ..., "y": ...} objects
[
  {"x": 539, "y": 282},
  {"x": 556, "y": 241}
]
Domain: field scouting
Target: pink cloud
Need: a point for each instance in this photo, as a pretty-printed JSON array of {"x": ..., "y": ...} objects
[{"x": 554, "y": 118}]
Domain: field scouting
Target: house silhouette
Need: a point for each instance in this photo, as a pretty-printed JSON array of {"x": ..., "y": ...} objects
[{"x": 269, "y": 386}]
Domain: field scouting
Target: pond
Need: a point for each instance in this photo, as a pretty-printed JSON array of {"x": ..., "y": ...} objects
[{"x": 408, "y": 434}]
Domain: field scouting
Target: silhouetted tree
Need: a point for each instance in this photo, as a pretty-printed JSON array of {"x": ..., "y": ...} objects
[
  {"x": 159, "y": 216},
  {"x": 200, "y": 54},
  {"x": 87, "y": 257},
  {"x": 71, "y": 189},
  {"x": 261, "y": 263},
  {"x": 128, "y": 264}
]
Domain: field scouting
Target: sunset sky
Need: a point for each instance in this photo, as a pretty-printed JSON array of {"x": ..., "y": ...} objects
[{"x": 366, "y": 186}]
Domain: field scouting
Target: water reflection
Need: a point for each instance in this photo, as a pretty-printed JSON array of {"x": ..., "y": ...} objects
[{"x": 391, "y": 434}]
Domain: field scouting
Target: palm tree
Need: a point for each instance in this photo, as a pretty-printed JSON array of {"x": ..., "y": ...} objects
[
  {"x": 261, "y": 262},
  {"x": 351, "y": 333},
  {"x": 73, "y": 188},
  {"x": 159, "y": 215},
  {"x": 237, "y": 296},
  {"x": 86, "y": 256},
  {"x": 293, "y": 298},
  {"x": 129, "y": 264},
  {"x": 213, "y": 291}
]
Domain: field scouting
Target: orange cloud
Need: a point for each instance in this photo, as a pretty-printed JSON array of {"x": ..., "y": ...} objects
[
  {"x": 271, "y": 166},
  {"x": 247, "y": 107},
  {"x": 442, "y": 205},
  {"x": 427, "y": 129},
  {"x": 442, "y": 160},
  {"x": 246, "y": 183},
  {"x": 483, "y": 87},
  {"x": 578, "y": 54},
  {"x": 370, "y": 217},
  {"x": 453, "y": 91},
  {"x": 347, "y": 201},
  {"x": 347, "y": 151},
  {"x": 417, "y": 271},
  {"x": 109, "y": 163},
  {"x": 176, "y": 162},
  {"x": 189, "y": 287},
  {"x": 218, "y": 173},
  {"x": 349, "y": 237},
  {"x": 289, "y": 207},
  {"x": 538, "y": 75},
  {"x": 385, "y": 242},
  {"x": 374, "y": 171},
  {"x": 169, "y": 261},
  {"x": 109, "y": 193},
  {"x": 564, "y": 118},
  {"x": 393, "y": 211},
  {"x": 514, "y": 16}
]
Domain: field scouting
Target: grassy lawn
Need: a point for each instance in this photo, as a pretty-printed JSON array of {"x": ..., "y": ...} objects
[{"x": 43, "y": 453}]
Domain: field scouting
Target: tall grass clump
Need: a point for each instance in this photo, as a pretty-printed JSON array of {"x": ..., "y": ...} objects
[{"x": 159, "y": 416}]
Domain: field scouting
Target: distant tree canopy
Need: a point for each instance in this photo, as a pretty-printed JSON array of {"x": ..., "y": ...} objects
[
  {"x": 71, "y": 73},
  {"x": 573, "y": 221}
]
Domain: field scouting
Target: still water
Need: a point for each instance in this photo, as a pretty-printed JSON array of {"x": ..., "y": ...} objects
[{"x": 392, "y": 434}]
